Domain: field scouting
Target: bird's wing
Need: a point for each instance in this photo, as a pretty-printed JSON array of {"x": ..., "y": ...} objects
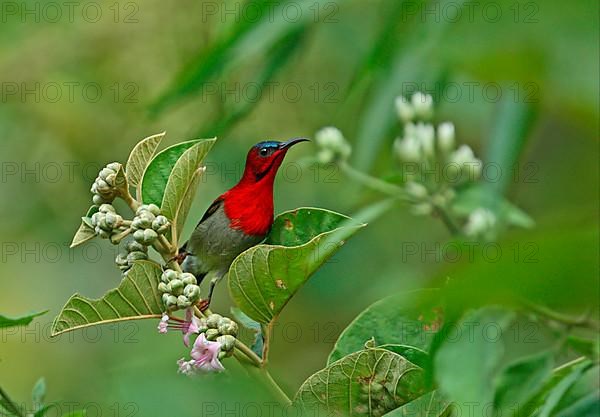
[
  {"x": 212, "y": 209},
  {"x": 209, "y": 212}
]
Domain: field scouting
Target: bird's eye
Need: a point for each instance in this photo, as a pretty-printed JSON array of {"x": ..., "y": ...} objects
[{"x": 264, "y": 152}]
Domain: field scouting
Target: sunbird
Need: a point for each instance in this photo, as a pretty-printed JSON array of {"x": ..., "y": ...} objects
[{"x": 238, "y": 219}]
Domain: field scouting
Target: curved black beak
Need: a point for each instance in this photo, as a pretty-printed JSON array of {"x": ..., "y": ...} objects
[{"x": 292, "y": 142}]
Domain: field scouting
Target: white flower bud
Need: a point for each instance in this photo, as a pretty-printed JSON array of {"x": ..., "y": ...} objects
[
  {"x": 404, "y": 109},
  {"x": 416, "y": 190},
  {"x": 212, "y": 321},
  {"x": 445, "y": 133},
  {"x": 175, "y": 287},
  {"x": 188, "y": 279},
  {"x": 422, "y": 209},
  {"x": 192, "y": 292},
  {"x": 150, "y": 236},
  {"x": 325, "y": 156},
  {"x": 183, "y": 302},
  {"x": 465, "y": 158},
  {"x": 480, "y": 221},
  {"x": 408, "y": 149},
  {"x": 227, "y": 342},
  {"x": 425, "y": 133},
  {"x": 331, "y": 140},
  {"x": 211, "y": 334},
  {"x": 423, "y": 105}
]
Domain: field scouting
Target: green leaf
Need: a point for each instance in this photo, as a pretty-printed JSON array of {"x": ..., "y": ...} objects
[
  {"x": 275, "y": 60},
  {"x": 136, "y": 298},
  {"x": 583, "y": 397},
  {"x": 587, "y": 406},
  {"x": 9, "y": 406},
  {"x": 140, "y": 157},
  {"x": 38, "y": 394},
  {"x": 477, "y": 196},
  {"x": 42, "y": 411},
  {"x": 560, "y": 389},
  {"x": 411, "y": 60},
  {"x": 521, "y": 380},
  {"x": 255, "y": 327},
  {"x": 514, "y": 120},
  {"x": 182, "y": 184},
  {"x": 265, "y": 277},
  {"x": 367, "y": 383},
  {"x": 78, "y": 413},
  {"x": 587, "y": 347},
  {"x": 415, "y": 355},
  {"x": 156, "y": 175},
  {"x": 20, "y": 321},
  {"x": 399, "y": 319},
  {"x": 465, "y": 364},
  {"x": 86, "y": 230},
  {"x": 83, "y": 234},
  {"x": 246, "y": 38},
  {"x": 431, "y": 404}
]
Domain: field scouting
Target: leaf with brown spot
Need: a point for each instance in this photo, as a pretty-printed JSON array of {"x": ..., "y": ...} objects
[{"x": 264, "y": 278}]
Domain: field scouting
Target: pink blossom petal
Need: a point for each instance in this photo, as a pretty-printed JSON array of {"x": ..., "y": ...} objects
[
  {"x": 163, "y": 324},
  {"x": 206, "y": 355}
]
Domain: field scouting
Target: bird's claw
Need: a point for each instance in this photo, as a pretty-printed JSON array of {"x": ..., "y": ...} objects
[
  {"x": 179, "y": 258},
  {"x": 204, "y": 304}
]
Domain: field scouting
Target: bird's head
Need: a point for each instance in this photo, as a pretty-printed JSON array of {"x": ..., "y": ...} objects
[{"x": 264, "y": 159}]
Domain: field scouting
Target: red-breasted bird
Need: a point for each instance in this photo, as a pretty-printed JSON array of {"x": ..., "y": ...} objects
[{"x": 238, "y": 219}]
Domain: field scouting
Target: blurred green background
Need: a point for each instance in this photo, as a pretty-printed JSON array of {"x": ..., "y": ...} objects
[{"x": 80, "y": 89}]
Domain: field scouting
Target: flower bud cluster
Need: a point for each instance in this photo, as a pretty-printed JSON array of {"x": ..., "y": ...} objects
[
  {"x": 220, "y": 329},
  {"x": 105, "y": 187},
  {"x": 179, "y": 289},
  {"x": 134, "y": 252},
  {"x": 431, "y": 149},
  {"x": 148, "y": 223},
  {"x": 106, "y": 221},
  {"x": 332, "y": 144}
]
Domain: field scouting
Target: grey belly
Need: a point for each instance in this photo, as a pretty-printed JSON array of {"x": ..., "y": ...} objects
[{"x": 214, "y": 245}]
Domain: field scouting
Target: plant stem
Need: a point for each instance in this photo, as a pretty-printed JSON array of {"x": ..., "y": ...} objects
[
  {"x": 166, "y": 244},
  {"x": 372, "y": 182},
  {"x": 570, "y": 363},
  {"x": 131, "y": 202},
  {"x": 583, "y": 321},
  {"x": 276, "y": 389},
  {"x": 266, "y": 335},
  {"x": 393, "y": 190},
  {"x": 242, "y": 347},
  {"x": 270, "y": 383},
  {"x": 447, "y": 220},
  {"x": 116, "y": 239},
  {"x": 10, "y": 406}
]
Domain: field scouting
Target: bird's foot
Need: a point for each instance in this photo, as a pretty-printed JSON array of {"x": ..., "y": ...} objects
[
  {"x": 179, "y": 258},
  {"x": 203, "y": 305}
]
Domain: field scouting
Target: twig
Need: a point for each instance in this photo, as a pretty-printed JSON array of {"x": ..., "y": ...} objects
[
  {"x": 131, "y": 202},
  {"x": 447, "y": 220},
  {"x": 372, "y": 182},
  {"x": 10, "y": 406},
  {"x": 583, "y": 321},
  {"x": 242, "y": 347}
]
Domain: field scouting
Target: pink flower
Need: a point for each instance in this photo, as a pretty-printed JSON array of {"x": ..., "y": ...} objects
[
  {"x": 164, "y": 324},
  {"x": 190, "y": 326},
  {"x": 206, "y": 355},
  {"x": 186, "y": 367},
  {"x": 205, "y": 358}
]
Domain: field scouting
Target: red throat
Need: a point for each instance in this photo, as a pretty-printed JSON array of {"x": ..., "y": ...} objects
[{"x": 249, "y": 205}]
